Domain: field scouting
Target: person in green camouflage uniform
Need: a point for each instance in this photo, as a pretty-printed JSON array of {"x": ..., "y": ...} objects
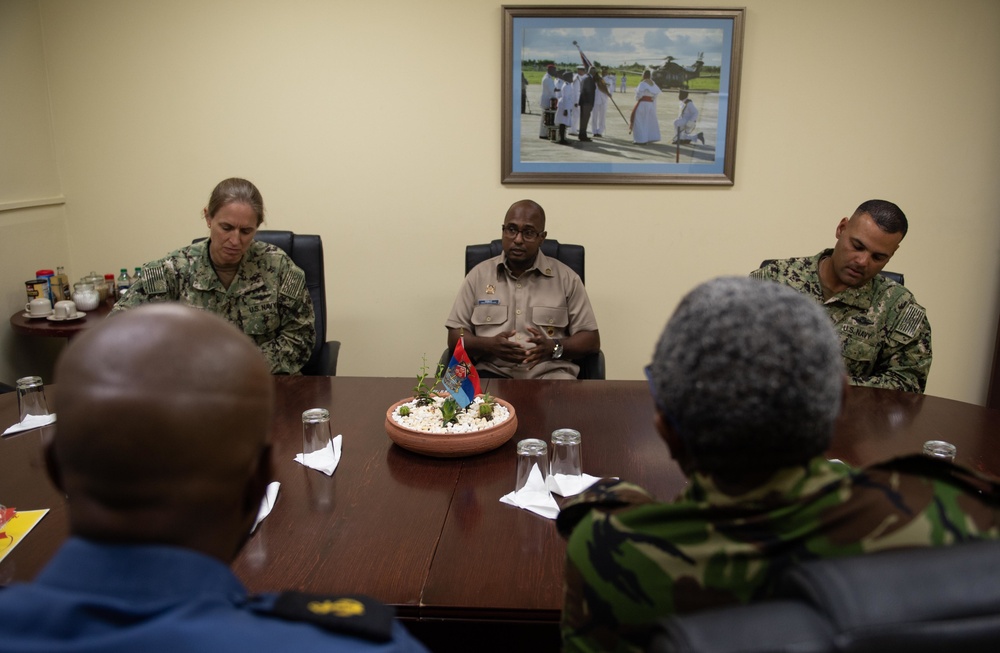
[
  {"x": 253, "y": 285},
  {"x": 884, "y": 332},
  {"x": 748, "y": 381}
]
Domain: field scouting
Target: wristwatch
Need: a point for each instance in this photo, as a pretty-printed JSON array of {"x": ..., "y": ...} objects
[{"x": 557, "y": 350}]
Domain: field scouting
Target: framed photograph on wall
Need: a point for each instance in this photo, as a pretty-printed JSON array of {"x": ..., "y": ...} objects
[{"x": 620, "y": 95}]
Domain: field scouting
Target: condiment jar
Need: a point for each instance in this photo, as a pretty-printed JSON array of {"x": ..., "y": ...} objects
[
  {"x": 85, "y": 296},
  {"x": 100, "y": 285}
]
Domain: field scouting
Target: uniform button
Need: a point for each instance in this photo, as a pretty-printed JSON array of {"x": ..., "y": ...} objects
[
  {"x": 518, "y": 285},
  {"x": 550, "y": 320},
  {"x": 518, "y": 311},
  {"x": 489, "y": 319}
]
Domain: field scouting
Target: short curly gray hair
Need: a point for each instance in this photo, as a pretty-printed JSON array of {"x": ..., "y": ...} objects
[{"x": 749, "y": 373}]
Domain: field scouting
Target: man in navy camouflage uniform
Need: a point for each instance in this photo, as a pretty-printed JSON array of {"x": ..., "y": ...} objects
[
  {"x": 748, "y": 381},
  {"x": 254, "y": 285},
  {"x": 884, "y": 332}
]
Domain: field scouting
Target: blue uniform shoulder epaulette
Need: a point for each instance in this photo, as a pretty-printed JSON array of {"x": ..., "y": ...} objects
[{"x": 350, "y": 614}]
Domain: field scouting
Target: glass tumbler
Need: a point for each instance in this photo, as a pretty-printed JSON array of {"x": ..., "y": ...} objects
[
  {"x": 316, "y": 434},
  {"x": 939, "y": 449},
  {"x": 567, "y": 459},
  {"x": 31, "y": 397},
  {"x": 531, "y": 453}
]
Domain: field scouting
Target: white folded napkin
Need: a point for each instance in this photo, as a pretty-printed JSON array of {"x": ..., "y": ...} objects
[
  {"x": 567, "y": 486},
  {"x": 534, "y": 496},
  {"x": 324, "y": 460},
  {"x": 31, "y": 422},
  {"x": 270, "y": 496}
]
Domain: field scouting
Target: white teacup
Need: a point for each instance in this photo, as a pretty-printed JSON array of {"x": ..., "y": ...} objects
[
  {"x": 38, "y": 307},
  {"x": 65, "y": 309}
]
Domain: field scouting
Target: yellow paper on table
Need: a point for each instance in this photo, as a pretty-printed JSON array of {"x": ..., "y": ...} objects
[{"x": 17, "y": 528}]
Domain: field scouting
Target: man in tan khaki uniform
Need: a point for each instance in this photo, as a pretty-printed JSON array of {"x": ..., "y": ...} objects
[{"x": 522, "y": 314}]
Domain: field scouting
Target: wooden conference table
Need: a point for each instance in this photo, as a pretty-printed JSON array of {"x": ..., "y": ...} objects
[{"x": 430, "y": 536}]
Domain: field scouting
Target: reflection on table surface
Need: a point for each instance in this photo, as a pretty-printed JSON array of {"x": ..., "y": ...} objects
[{"x": 430, "y": 536}]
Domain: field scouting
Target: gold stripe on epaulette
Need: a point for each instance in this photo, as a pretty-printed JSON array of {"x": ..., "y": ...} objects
[
  {"x": 911, "y": 320},
  {"x": 154, "y": 280},
  {"x": 293, "y": 284}
]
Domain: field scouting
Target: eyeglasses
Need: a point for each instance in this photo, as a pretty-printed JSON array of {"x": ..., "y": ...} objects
[{"x": 528, "y": 234}]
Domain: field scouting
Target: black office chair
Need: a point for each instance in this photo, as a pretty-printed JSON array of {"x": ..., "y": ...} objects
[
  {"x": 591, "y": 365},
  {"x": 893, "y": 276},
  {"x": 922, "y": 600},
  {"x": 306, "y": 251}
]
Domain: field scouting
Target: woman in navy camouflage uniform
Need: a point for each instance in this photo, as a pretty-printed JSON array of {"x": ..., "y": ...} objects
[{"x": 254, "y": 285}]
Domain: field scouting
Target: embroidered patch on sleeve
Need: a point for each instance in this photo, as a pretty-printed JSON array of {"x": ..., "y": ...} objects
[
  {"x": 911, "y": 320},
  {"x": 154, "y": 280},
  {"x": 293, "y": 284}
]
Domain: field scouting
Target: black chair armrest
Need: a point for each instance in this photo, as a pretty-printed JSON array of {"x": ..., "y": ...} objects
[
  {"x": 884, "y": 590},
  {"x": 767, "y": 627},
  {"x": 324, "y": 360},
  {"x": 592, "y": 366}
]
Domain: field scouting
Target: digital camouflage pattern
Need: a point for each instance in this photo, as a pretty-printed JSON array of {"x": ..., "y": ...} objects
[
  {"x": 884, "y": 332},
  {"x": 268, "y": 299},
  {"x": 631, "y": 560}
]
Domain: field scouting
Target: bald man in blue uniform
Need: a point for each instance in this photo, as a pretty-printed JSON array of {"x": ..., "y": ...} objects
[{"x": 161, "y": 497}]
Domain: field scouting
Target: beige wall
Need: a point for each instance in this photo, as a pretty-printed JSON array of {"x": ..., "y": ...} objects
[
  {"x": 33, "y": 230},
  {"x": 376, "y": 125}
]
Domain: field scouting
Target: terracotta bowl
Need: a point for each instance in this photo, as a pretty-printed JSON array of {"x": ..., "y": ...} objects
[{"x": 450, "y": 445}]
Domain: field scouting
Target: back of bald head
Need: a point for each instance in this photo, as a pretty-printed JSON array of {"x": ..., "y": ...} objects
[{"x": 161, "y": 405}]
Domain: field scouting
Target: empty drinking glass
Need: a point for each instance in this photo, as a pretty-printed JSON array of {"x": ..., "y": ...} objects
[
  {"x": 316, "y": 434},
  {"x": 531, "y": 453},
  {"x": 31, "y": 397},
  {"x": 567, "y": 459},
  {"x": 939, "y": 449}
]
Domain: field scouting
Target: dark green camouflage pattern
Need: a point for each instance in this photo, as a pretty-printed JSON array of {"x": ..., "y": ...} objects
[
  {"x": 884, "y": 332},
  {"x": 631, "y": 560},
  {"x": 268, "y": 299}
]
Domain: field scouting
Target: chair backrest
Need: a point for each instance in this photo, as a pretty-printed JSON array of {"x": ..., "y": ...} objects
[
  {"x": 893, "y": 276},
  {"x": 306, "y": 251},
  {"x": 916, "y": 600},
  {"x": 571, "y": 255}
]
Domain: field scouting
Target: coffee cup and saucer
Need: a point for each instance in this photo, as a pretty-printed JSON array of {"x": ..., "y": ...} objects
[
  {"x": 65, "y": 311},
  {"x": 37, "y": 308}
]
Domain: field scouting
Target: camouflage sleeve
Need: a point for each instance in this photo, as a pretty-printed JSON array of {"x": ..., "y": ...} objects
[
  {"x": 615, "y": 585},
  {"x": 156, "y": 283},
  {"x": 607, "y": 494},
  {"x": 904, "y": 361},
  {"x": 766, "y": 273},
  {"x": 292, "y": 345}
]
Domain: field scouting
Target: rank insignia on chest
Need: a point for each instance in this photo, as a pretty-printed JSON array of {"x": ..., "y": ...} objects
[{"x": 490, "y": 290}]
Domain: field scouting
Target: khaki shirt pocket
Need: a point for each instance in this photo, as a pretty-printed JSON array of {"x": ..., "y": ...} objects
[
  {"x": 489, "y": 319},
  {"x": 550, "y": 320}
]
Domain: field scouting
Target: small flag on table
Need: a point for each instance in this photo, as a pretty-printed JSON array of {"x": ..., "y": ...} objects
[{"x": 461, "y": 380}]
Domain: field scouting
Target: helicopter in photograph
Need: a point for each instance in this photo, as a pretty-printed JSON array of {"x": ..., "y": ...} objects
[{"x": 673, "y": 75}]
